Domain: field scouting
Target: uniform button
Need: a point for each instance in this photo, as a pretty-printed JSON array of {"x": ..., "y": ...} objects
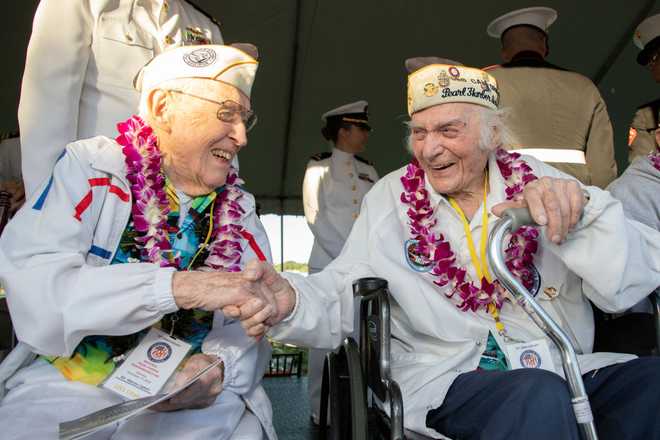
[
  {"x": 478, "y": 343},
  {"x": 128, "y": 37},
  {"x": 165, "y": 6},
  {"x": 355, "y": 201},
  {"x": 355, "y": 216},
  {"x": 350, "y": 174},
  {"x": 169, "y": 40},
  {"x": 353, "y": 187}
]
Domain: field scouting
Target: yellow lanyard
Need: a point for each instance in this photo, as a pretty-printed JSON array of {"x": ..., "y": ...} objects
[{"x": 480, "y": 265}]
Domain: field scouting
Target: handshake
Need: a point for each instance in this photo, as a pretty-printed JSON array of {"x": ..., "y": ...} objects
[{"x": 259, "y": 297}]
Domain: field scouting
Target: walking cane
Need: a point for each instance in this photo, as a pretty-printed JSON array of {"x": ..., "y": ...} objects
[{"x": 510, "y": 222}]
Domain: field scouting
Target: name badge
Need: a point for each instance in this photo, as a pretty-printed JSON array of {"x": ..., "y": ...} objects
[
  {"x": 148, "y": 367},
  {"x": 534, "y": 354}
]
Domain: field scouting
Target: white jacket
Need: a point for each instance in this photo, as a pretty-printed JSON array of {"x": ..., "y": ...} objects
[
  {"x": 607, "y": 259},
  {"x": 61, "y": 287},
  {"x": 333, "y": 188},
  {"x": 81, "y": 61}
]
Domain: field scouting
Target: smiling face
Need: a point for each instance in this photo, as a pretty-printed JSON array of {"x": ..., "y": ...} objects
[
  {"x": 445, "y": 140},
  {"x": 197, "y": 147}
]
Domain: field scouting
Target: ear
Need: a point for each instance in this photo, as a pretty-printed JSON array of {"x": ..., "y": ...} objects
[{"x": 158, "y": 106}]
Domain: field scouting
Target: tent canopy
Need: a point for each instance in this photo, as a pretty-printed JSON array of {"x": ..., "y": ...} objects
[{"x": 318, "y": 54}]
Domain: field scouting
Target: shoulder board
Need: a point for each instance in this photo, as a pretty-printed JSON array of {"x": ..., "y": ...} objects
[
  {"x": 203, "y": 12},
  {"x": 321, "y": 156},
  {"x": 363, "y": 160},
  {"x": 652, "y": 104},
  {"x": 9, "y": 135}
]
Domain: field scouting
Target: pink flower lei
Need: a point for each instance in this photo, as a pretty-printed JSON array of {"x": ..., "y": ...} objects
[
  {"x": 434, "y": 250},
  {"x": 151, "y": 206}
]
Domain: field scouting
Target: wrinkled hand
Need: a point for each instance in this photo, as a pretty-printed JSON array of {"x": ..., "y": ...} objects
[
  {"x": 202, "y": 393},
  {"x": 17, "y": 191},
  {"x": 212, "y": 290},
  {"x": 275, "y": 301},
  {"x": 555, "y": 203}
]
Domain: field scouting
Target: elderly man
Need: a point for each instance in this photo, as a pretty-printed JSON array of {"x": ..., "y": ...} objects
[
  {"x": 143, "y": 235},
  {"x": 454, "y": 332},
  {"x": 558, "y": 116}
]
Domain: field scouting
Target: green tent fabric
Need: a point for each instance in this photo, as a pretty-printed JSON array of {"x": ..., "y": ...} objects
[{"x": 318, "y": 54}]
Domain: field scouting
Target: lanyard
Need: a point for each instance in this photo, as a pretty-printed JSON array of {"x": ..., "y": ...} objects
[{"x": 480, "y": 265}]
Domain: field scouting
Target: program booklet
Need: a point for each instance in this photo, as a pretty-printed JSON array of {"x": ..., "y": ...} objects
[{"x": 86, "y": 425}]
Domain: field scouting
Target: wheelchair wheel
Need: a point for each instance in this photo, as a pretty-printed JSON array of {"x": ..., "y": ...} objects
[{"x": 343, "y": 381}]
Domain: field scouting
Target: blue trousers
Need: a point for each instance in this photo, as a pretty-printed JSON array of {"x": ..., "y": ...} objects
[{"x": 530, "y": 404}]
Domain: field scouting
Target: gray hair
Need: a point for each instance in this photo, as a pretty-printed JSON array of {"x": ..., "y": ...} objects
[{"x": 493, "y": 132}]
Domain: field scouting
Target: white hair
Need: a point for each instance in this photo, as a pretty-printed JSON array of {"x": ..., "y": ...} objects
[
  {"x": 493, "y": 132},
  {"x": 189, "y": 85}
]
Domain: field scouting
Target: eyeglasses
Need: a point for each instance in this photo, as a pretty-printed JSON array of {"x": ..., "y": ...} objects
[
  {"x": 230, "y": 112},
  {"x": 450, "y": 130}
]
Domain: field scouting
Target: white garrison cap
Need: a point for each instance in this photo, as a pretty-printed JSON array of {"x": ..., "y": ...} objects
[
  {"x": 646, "y": 38},
  {"x": 235, "y": 65},
  {"x": 433, "y": 83},
  {"x": 539, "y": 16},
  {"x": 355, "y": 112}
]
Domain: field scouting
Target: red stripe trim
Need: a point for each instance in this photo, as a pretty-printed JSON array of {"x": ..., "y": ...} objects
[
  {"x": 83, "y": 205},
  {"x": 87, "y": 200},
  {"x": 253, "y": 244}
]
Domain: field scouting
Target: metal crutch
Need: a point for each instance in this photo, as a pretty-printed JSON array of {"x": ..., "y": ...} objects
[{"x": 510, "y": 222}]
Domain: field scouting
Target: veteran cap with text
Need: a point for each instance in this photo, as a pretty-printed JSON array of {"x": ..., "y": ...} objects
[
  {"x": 431, "y": 83},
  {"x": 647, "y": 38},
  {"x": 234, "y": 64},
  {"x": 539, "y": 17}
]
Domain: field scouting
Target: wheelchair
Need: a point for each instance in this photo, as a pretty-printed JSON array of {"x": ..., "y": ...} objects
[{"x": 357, "y": 381}]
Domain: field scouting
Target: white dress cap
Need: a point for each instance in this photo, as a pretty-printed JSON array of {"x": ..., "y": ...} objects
[
  {"x": 537, "y": 16},
  {"x": 645, "y": 34},
  {"x": 234, "y": 65},
  {"x": 347, "y": 109}
]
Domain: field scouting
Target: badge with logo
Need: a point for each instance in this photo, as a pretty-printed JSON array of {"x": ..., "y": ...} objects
[
  {"x": 430, "y": 89},
  {"x": 159, "y": 352},
  {"x": 454, "y": 72},
  {"x": 149, "y": 366},
  {"x": 534, "y": 354},
  {"x": 418, "y": 262},
  {"x": 200, "y": 57},
  {"x": 194, "y": 36},
  {"x": 443, "y": 79}
]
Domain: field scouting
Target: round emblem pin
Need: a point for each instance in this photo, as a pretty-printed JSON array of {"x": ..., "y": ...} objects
[
  {"x": 200, "y": 57},
  {"x": 454, "y": 72},
  {"x": 530, "y": 359},
  {"x": 430, "y": 89},
  {"x": 536, "y": 280},
  {"x": 159, "y": 352},
  {"x": 417, "y": 262}
]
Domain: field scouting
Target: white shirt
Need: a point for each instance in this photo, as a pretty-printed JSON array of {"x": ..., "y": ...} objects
[
  {"x": 81, "y": 61},
  {"x": 613, "y": 262},
  {"x": 333, "y": 188}
]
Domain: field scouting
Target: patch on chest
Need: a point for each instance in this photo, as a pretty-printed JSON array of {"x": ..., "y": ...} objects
[{"x": 416, "y": 261}]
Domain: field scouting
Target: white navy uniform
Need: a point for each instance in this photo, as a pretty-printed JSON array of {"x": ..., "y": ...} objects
[
  {"x": 333, "y": 188},
  {"x": 81, "y": 61}
]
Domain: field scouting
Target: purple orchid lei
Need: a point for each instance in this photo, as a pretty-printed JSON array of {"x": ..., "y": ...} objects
[
  {"x": 151, "y": 206},
  {"x": 433, "y": 249},
  {"x": 654, "y": 157}
]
